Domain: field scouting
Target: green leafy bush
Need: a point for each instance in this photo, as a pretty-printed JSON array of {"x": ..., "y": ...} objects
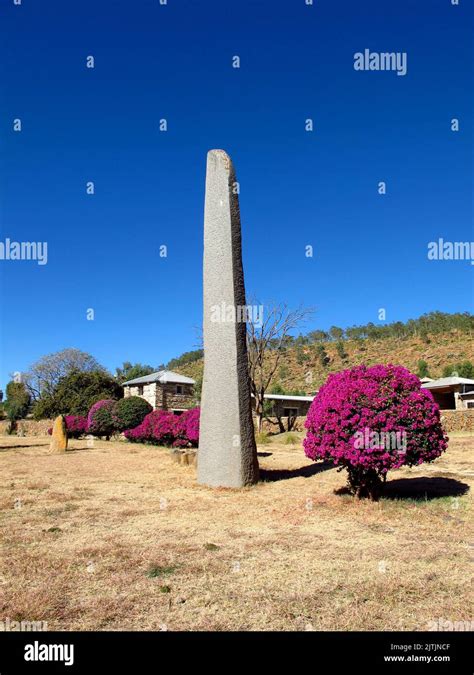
[
  {"x": 18, "y": 400},
  {"x": 129, "y": 412},
  {"x": 76, "y": 393}
]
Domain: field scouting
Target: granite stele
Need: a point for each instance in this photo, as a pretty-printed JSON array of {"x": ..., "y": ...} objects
[{"x": 227, "y": 455}]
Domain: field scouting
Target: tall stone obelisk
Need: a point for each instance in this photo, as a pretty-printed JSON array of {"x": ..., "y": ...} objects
[{"x": 227, "y": 454}]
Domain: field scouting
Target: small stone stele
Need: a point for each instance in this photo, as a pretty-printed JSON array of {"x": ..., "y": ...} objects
[
  {"x": 184, "y": 457},
  {"x": 189, "y": 458},
  {"x": 59, "y": 435}
]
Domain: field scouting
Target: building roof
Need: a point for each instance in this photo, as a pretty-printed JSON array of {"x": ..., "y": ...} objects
[
  {"x": 287, "y": 397},
  {"x": 423, "y": 380},
  {"x": 446, "y": 382},
  {"x": 162, "y": 376}
]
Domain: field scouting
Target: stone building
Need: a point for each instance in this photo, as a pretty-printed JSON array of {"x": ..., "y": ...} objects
[
  {"x": 164, "y": 390},
  {"x": 286, "y": 405},
  {"x": 284, "y": 412},
  {"x": 452, "y": 393}
]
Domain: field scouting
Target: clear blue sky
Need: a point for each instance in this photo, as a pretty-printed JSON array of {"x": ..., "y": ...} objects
[{"x": 297, "y": 188}]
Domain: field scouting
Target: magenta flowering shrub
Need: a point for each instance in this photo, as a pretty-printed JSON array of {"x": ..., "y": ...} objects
[
  {"x": 162, "y": 427},
  {"x": 369, "y": 420},
  {"x": 159, "y": 427},
  {"x": 188, "y": 427},
  {"x": 99, "y": 420},
  {"x": 76, "y": 425},
  {"x": 180, "y": 443}
]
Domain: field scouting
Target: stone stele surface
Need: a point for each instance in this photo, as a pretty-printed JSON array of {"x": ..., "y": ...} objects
[
  {"x": 59, "y": 435},
  {"x": 227, "y": 455}
]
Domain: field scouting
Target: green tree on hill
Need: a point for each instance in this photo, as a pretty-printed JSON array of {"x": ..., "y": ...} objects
[
  {"x": 341, "y": 350},
  {"x": 318, "y": 336},
  {"x": 184, "y": 359},
  {"x": 336, "y": 333},
  {"x": 422, "y": 369},
  {"x": 462, "y": 369},
  {"x": 130, "y": 371},
  {"x": 301, "y": 356},
  {"x": 322, "y": 355}
]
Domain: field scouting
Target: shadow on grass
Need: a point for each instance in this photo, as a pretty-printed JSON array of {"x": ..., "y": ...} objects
[
  {"x": 264, "y": 454},
  {"x": 271, "y": 475},
  {"x": 4, "y": 448},
  {"x": 424, "y": 488},
  {"x": 69, "y": 451}
]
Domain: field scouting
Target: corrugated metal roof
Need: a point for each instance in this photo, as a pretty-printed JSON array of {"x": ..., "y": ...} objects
[
  {"x": 162, "y": 376},
  {"x": 287, "y": 397},
  {"x": 446, "y": 382}
]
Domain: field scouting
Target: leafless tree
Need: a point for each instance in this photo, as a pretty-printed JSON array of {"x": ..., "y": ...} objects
[
  {"x": 267, "y": 342},
  {"x": 45, "y": 374}
]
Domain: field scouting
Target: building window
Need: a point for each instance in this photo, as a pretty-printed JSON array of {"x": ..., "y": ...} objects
[
  {"x": 140, "y": 390},
  {"x": 290, "y": 412},
  {"x": 470, "y": 404},
  {"x": 179, "y": 389}
]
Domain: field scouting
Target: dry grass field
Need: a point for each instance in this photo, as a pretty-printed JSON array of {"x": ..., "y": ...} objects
[{"x": 118, "y": 536}]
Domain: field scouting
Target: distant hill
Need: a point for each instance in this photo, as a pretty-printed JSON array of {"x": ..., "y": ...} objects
[
  {"x": 301, "y": 366},
  {"x": 442, "y": 350}
]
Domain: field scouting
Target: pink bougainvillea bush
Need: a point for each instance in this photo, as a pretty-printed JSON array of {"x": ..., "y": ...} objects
[
  {"x": 161, "y": 427},
  {"x": 369, "y": 420},
  {"x": 188, "y": 428},
  {"x": 76, "y": 425},
  {"x": 99, "y": 420}
]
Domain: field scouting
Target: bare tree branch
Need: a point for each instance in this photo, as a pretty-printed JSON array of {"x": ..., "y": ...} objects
[
  {"x": 266, "y": 343},
  {"x": 46, "y": 373}
]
